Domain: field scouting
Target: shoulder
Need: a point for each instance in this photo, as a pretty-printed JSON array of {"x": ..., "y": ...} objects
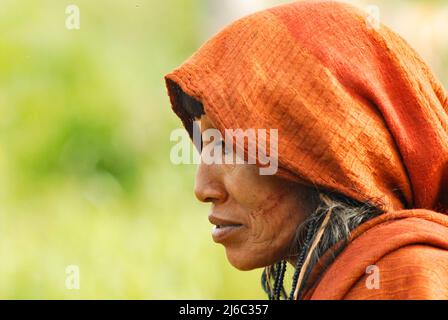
[
  {"x": 395, "y": 256},
  {"x": 415, "y": 271}
]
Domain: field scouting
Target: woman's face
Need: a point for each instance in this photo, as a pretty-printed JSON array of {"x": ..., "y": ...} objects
[{"x": 255, "y": 216}]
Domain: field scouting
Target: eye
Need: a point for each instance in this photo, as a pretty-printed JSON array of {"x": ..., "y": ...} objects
[{"x": 225, "y": 150}]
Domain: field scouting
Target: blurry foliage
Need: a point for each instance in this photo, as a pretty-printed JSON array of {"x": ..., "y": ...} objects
[{"x": 85, "y": 176}]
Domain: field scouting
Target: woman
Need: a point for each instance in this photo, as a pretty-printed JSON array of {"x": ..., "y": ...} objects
[{"x": 359, "y": 201}]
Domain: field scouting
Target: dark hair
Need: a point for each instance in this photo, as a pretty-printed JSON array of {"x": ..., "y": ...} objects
[
  {"x": 185, "y": 105},
  {"x": 346, "y": 215},
  {"x": 187, "y": 108}
]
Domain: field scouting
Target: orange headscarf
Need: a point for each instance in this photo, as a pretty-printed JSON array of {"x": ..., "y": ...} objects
[{"x": 356, "y": 108}]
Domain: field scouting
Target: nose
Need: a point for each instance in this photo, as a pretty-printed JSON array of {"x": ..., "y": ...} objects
[{"x": 208, "y": 185}]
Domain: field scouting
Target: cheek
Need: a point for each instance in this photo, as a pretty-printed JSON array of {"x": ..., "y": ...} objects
[
  {"x": 276, "y": 220},
  {"x": 250, "y": 190},
  {"x": 268, "y": 238},
  {"x": 266, "y": 202}
]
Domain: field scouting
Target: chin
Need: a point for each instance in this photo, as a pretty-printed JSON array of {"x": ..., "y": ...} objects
[{"x": 245, "y": 262}]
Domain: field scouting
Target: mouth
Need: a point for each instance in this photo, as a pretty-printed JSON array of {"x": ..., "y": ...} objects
[
  {"x": 219, "y": 226},
  {"x": 224, "y": 232},
  {"x": 223, "y": 229}
]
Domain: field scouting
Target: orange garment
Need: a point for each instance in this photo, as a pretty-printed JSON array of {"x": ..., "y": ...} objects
[
  {"x": 409, "y": 250},
  {"x": 357, "y": 112}
]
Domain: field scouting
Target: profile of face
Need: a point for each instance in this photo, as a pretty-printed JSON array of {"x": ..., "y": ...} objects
[{"x": 255, "y": 216}]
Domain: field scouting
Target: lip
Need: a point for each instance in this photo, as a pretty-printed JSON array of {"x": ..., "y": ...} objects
[
  {"x": 223, "y": 233},
  {"x": 224, "y": 228}
]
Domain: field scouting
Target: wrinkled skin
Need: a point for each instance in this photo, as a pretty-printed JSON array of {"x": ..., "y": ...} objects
[{"x": 268, "y": 208}]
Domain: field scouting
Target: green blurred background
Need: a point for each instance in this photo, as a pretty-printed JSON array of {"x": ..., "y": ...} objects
[{"x": 85, "y": 175}]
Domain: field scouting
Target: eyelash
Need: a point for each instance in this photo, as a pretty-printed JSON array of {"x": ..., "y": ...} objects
[{"x": 223, "y": 145}]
